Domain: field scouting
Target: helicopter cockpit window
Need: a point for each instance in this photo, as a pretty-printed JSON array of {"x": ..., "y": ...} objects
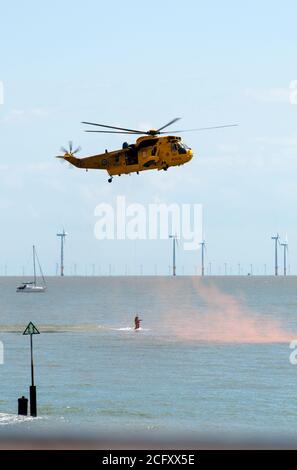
[
  {"x": 181, "y": 148},
  {"x": 173, "y": 147}
]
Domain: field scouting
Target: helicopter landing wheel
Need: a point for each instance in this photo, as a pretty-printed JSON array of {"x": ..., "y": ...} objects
[
  {"x": 109, "y": 180},
  {"x": 165, "y": 168}
]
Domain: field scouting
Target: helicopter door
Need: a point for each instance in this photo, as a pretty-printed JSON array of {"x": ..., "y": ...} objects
[{"x": 132, "y": 157}]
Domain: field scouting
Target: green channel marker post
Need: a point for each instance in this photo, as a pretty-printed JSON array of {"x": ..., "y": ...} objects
[{"x": 32, "y": 330}]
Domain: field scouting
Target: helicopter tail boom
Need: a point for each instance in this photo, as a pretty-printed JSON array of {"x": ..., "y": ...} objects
[{"x": 71, "y": 159}]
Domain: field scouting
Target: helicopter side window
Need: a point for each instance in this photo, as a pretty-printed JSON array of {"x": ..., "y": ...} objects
[
  {"x": 154, "y": 151},
  {"x": 173, "y": 147}
]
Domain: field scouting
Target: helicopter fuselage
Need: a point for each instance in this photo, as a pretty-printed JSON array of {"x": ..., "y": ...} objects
[{"x": 148, "y": 153}]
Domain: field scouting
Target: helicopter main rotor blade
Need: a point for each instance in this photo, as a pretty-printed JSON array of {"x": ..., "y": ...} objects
[
  {"x": 116, "y": 132},
  {"x": 201, "y": 129},
  {"x": 168, "y": 124},
  {"x": 114, "y": 127}
]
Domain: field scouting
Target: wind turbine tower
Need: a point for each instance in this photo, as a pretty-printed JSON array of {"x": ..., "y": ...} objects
[
  {"x": 62, "y": 236},
  {"x": 202, "y": 257},
  {"x": 174, "y": 239},
  {"x": 285, "y": 245},
  {"x": 276, "y": 242}
]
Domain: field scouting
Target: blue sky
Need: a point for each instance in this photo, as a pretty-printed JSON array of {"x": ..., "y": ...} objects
[{"x": 141, "y": 64}]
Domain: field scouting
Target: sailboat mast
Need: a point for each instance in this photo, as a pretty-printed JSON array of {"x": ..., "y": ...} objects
[{"x": 34, "y": 267}]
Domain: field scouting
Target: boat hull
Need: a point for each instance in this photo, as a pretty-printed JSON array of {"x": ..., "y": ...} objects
[{"x": 31, "y": 289}]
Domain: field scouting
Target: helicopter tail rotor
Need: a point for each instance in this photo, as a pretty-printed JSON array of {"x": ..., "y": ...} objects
[{"x": 69, "y": 154}]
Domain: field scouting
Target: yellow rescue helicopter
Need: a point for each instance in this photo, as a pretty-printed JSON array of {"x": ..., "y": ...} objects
[{"x": 149, "y": 152}]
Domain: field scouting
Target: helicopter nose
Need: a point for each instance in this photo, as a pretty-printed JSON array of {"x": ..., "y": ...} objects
[{"x": 190, "y": 154}]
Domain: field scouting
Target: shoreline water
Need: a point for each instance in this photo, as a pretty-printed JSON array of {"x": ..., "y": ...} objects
[{"x": 92, "y": 374}]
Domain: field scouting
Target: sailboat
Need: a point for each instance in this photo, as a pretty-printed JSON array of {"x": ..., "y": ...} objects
[{"x": 32, "y": 285}]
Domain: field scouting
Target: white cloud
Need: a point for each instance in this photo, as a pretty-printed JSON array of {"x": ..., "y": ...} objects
[
  {"x": 269, "y": 95},
  {"x": 39, "y": 112},
  {"x": 21, "y": 115},
  {"x": 14, "y": 115},
  {"x": 42, "y": 167},
  {"x": 4, "y": 167},
  {"x": 282, "y": 141}
]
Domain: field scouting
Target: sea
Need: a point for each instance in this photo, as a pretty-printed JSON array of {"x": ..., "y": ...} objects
[{"x": 213, "y": 355}]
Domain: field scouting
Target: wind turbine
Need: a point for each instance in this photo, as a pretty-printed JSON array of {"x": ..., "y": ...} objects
[
  {"x": 202, "y": 257},
  {"x": 285, "y": 245},
  {"x": 276, "y": 241},
  {"x": 174, "y": 239},
  {"x": 62, "y": 236},
  {"x": 225, "y": 266}
]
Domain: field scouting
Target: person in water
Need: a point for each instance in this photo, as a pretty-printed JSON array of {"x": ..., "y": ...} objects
[{"x": 137, "y": 321}]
